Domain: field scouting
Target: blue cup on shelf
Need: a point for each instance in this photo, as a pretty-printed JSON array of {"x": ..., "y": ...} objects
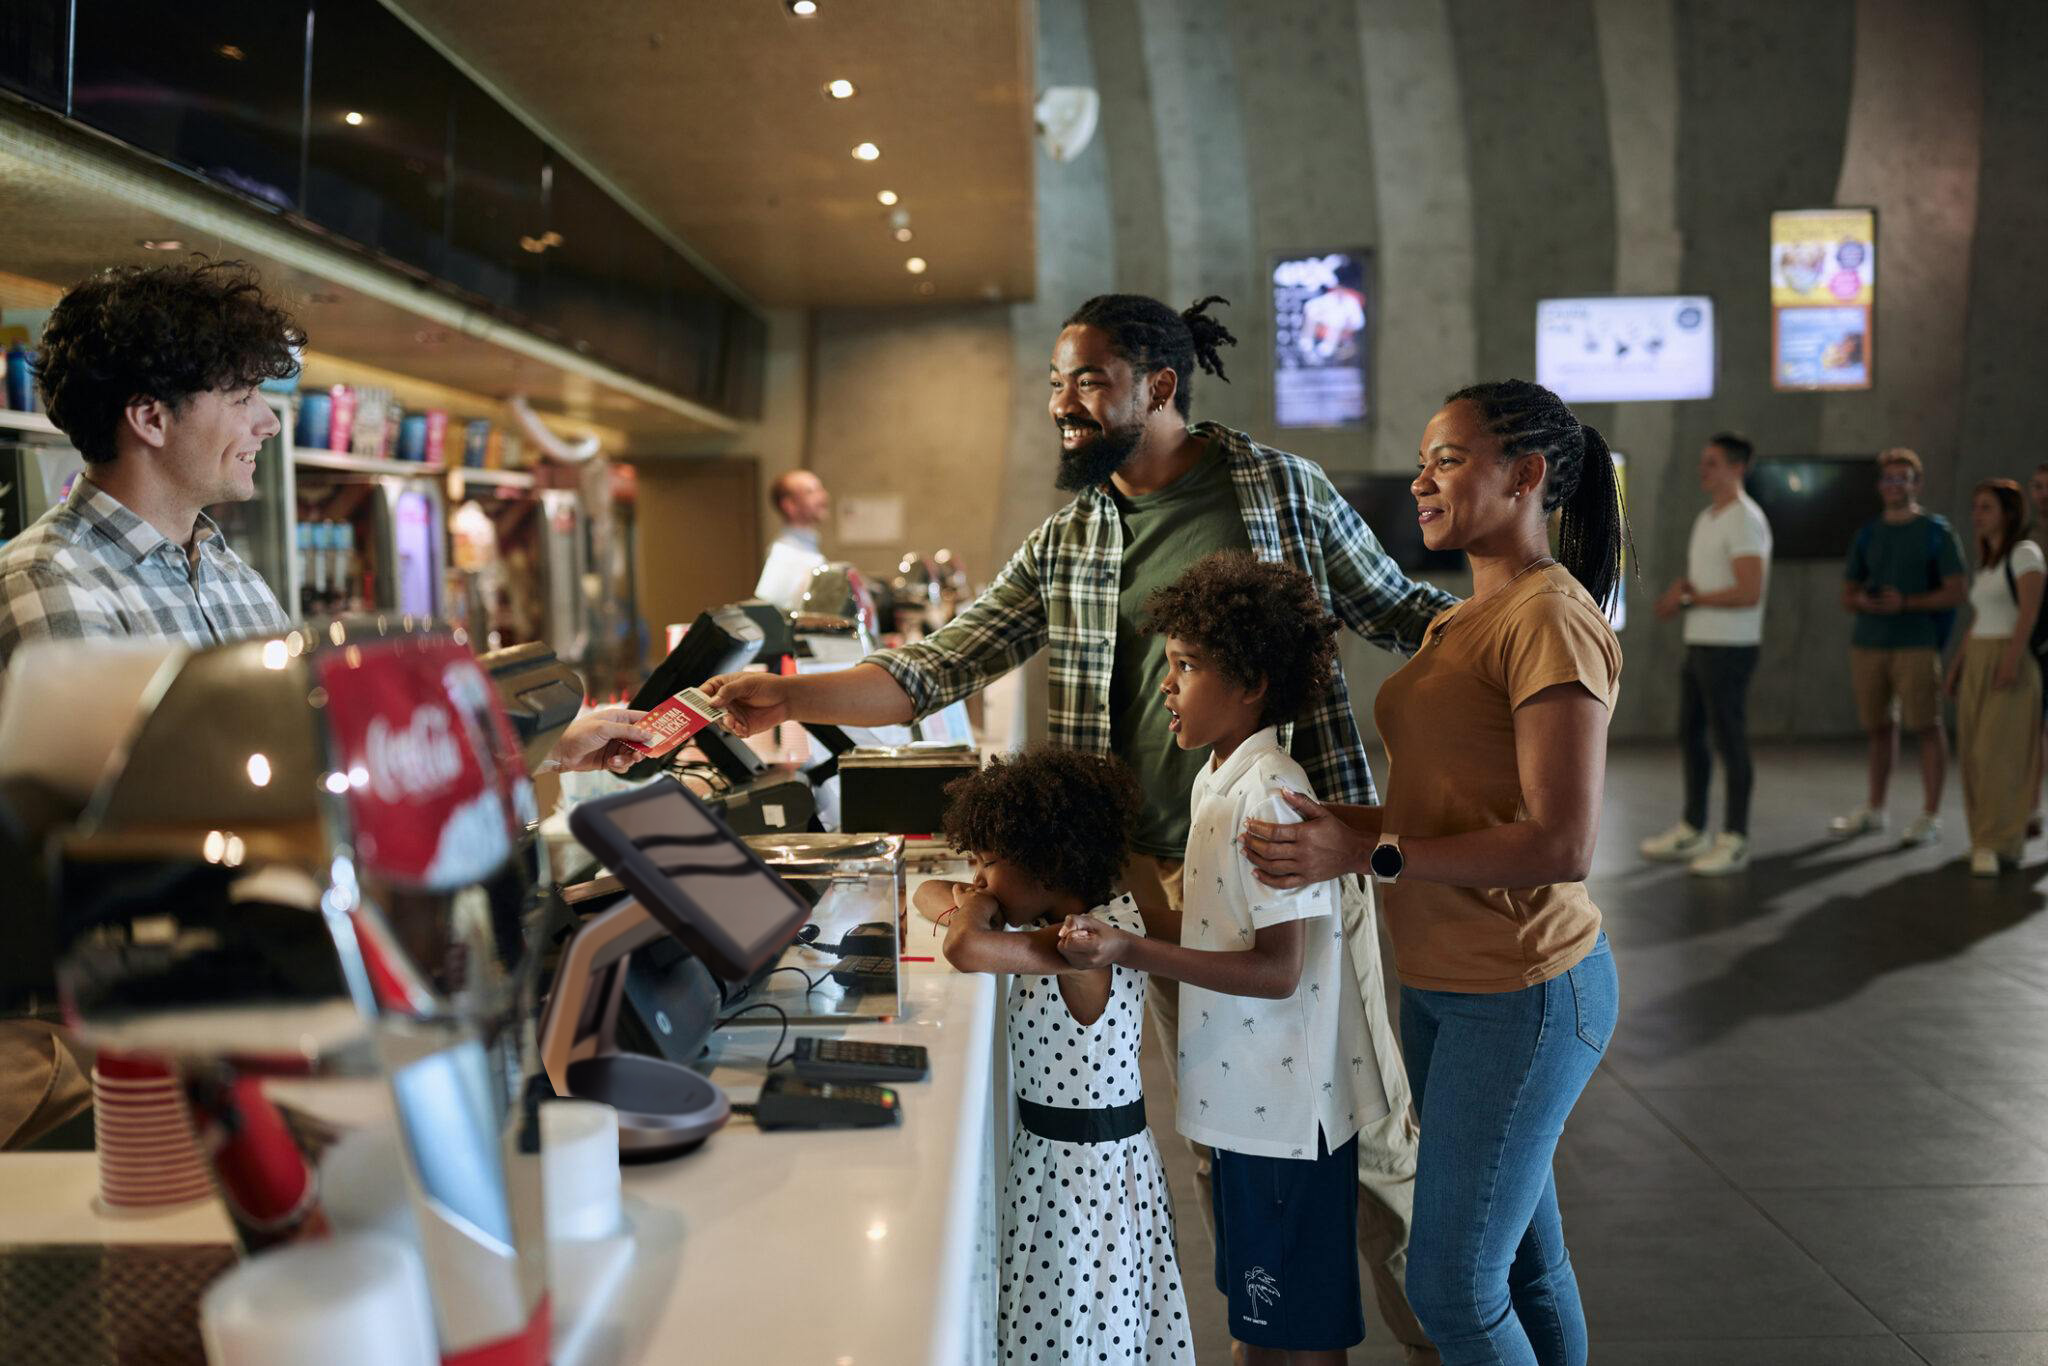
[
  {"x": 412, "y": 437},
  {"x": 476, "y": 439},
  {"x": 316, "y": 414}
]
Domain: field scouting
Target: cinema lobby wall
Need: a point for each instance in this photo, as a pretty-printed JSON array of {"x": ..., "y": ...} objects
[{"x": 1491, "y": 153}]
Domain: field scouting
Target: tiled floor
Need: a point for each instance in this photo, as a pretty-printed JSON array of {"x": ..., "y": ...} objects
[{"x": 1820, "y": 1137}]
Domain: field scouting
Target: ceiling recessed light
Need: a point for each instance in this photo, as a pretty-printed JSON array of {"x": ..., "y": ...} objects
[
  {"x": 352, "y": 119},
  {"x": 802, "y": 9},
  {"x": 927, "y": 287},
  {"x": 231, "y": 52},
  {"x": 886, "y": 196},
  {"x": 915, "y": 265},
  {"x": 840, "y": 89},
  {"x": 904, "y": 234},
  {"x": 867, "y": 151},
  {"x": 161, "y": 244}
]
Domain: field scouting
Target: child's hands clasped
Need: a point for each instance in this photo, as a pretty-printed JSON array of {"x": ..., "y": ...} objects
[{"x": 1087, "y": 942}]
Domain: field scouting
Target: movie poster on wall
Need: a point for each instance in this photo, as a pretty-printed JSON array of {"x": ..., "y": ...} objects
[
  {"x": 1322, "y": 314},
  {"x": 1823, "y": 298}
]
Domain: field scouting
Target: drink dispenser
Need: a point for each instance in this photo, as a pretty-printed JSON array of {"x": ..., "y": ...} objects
[{"x": 316, "y": 863}]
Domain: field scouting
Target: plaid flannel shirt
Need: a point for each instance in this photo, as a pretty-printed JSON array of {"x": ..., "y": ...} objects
[
  {"x": 90, "y": 567},
  {"x": 1060, "y": 591}
]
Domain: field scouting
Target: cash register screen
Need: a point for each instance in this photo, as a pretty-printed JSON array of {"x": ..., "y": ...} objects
[{"x": 721, "y": 887}]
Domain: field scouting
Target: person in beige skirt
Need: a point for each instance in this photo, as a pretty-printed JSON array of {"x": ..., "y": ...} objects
[{"x": 1996, "y": 679}]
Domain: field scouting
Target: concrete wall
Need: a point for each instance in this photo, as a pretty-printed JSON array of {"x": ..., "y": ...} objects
[{"x": 1494, "y": 152}]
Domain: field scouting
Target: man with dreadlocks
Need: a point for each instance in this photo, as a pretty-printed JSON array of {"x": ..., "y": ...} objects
[{"x": 1152, "y": 495}]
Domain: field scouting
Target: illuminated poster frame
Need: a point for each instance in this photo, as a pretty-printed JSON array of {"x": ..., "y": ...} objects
[
  {"x": 1323, "y": 321},
  {"x": 1823, "y": 299}
]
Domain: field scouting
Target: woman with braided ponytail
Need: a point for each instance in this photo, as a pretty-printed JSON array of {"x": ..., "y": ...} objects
[{"x": 1496, "y": 735}]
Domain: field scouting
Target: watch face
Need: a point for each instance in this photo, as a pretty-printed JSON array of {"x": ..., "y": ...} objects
[{"x": 1386, "y": 861}]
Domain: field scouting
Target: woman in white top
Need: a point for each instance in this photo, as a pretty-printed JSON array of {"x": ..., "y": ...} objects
[{"x": 1996, "y": 680}]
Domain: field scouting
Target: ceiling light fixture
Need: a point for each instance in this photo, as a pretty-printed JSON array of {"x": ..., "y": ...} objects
[
  {"x": 904, "y": 234},
  {"x": 352, "y": 119},
  {"x": 802, "y": 9},
  {"x": 161, "y": 244},
  {"x": 886, "y": 196},
  {"x": 927, "y": 288},
  {"x": 231, "y": 52},
  {"x": 915, "y": 265},
  {"x": 841, "y": 89},
  {"x": 867, "y": 151}
]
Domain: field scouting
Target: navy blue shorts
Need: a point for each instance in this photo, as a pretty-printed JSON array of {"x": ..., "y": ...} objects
[{"x": 1287, "y": 1248}]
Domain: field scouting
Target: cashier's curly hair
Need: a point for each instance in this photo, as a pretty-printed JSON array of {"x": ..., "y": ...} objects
[
  {"x": 157, "y": 332},
  {"x": 1062, "y": 817},
  {"x": 1255, "y": 623},
  {"x": 1151, "y": 336}
]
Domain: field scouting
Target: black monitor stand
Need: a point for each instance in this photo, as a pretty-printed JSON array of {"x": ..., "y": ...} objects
[{"x": 664, "y": 1108}]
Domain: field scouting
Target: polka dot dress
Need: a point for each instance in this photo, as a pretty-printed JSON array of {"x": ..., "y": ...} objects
[{"x": 1088, "y": 1267}]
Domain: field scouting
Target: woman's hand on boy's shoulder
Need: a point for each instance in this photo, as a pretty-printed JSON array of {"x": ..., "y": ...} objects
[{"x": 1087, "y": 942}]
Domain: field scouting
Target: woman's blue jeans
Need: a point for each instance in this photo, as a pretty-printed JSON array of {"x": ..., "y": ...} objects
[{"x": 1494, "y": 1077}]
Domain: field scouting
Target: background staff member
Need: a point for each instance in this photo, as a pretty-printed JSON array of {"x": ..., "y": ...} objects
[
  {"x": 1152, "y": 495},
  {"x": 1722, "y": 595},
  {"x": 800, "y": 499},
  {"x": 1903, "y": 583}
]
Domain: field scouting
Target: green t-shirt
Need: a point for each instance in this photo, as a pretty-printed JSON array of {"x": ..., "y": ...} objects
[
  {"x": 1164, "y": 533},
  {"x": 1913, "y": 557}
]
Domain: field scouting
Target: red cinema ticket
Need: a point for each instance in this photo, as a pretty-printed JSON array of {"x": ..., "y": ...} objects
[{"x": 676, "y": 720}]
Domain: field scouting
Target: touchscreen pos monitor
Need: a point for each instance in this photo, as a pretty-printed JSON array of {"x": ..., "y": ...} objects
[{"x": 694, "y": 875}]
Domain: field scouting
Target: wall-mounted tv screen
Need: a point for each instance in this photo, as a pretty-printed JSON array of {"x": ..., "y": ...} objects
[
  {"x": 1814, "y": 503},
  {"x": 1322, "y": 315},
  {"x": 1626, "y": 350},
  {"x": 1389, "y": 509}
]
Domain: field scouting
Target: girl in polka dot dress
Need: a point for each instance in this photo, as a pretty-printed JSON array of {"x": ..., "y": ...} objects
[{"x": 1088, "y": 1268}]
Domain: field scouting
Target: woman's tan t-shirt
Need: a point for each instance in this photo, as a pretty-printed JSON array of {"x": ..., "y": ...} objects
[{"x": 1447, "y": 718}]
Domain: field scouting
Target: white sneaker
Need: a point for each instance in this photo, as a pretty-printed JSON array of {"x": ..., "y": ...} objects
[
  {"x": 1925, "y": 829},
  {"x": 1730, "y": 854},
  {"x": 1680, "y": 844},
  {"x": 1983, "y": 863},
  {"x": 1860, "y": 822}
]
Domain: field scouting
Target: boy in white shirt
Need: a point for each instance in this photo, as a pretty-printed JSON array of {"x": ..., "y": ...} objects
[{"x": 1275, "y": 1061}]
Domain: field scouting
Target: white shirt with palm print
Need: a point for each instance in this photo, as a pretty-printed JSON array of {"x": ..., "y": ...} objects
[{"x": 1259, "y": 1076}]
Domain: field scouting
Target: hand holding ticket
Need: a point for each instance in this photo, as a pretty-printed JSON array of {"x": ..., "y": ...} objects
[{"x": 676, "y": 720}]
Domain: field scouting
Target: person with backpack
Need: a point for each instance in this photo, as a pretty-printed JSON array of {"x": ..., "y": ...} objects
[
  {"x": 1996, "y": 679},
  {"x": 1903, "y": 583}
]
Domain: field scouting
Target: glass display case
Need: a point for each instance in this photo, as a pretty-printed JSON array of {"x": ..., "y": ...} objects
[{"x": 850, "y": 969}]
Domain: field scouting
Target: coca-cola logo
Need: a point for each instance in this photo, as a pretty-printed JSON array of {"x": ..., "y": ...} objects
[{"x": 415, "y": 763}]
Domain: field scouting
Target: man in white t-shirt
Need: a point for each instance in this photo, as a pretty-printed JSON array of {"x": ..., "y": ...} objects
[
  {"x": 800, "y": 499},
  {"x": 1722, "y": 597}
]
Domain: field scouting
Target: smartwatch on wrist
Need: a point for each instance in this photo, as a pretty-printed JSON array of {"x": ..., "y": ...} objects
[
  {"x": 1386, "y": 861},
  {"x": 1685, "y": 599}
]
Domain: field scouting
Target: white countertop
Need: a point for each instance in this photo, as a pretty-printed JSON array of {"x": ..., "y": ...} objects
[{"x": 851, "y": 1247}]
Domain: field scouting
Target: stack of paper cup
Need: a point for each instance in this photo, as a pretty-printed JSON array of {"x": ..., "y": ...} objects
[
  {"x": 147, "y": 1156},
  {"x": 344, "y": 1301}
]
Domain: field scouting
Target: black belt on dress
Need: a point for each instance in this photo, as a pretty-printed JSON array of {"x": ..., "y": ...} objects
[{"x": 1062, "y": 1125}]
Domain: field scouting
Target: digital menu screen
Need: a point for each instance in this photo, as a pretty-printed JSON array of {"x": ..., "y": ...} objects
[
  {"x": 1823, "y": 297},
  {"x": 1626, "y": 350},
  {"x": 1322, "y": 313}
]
